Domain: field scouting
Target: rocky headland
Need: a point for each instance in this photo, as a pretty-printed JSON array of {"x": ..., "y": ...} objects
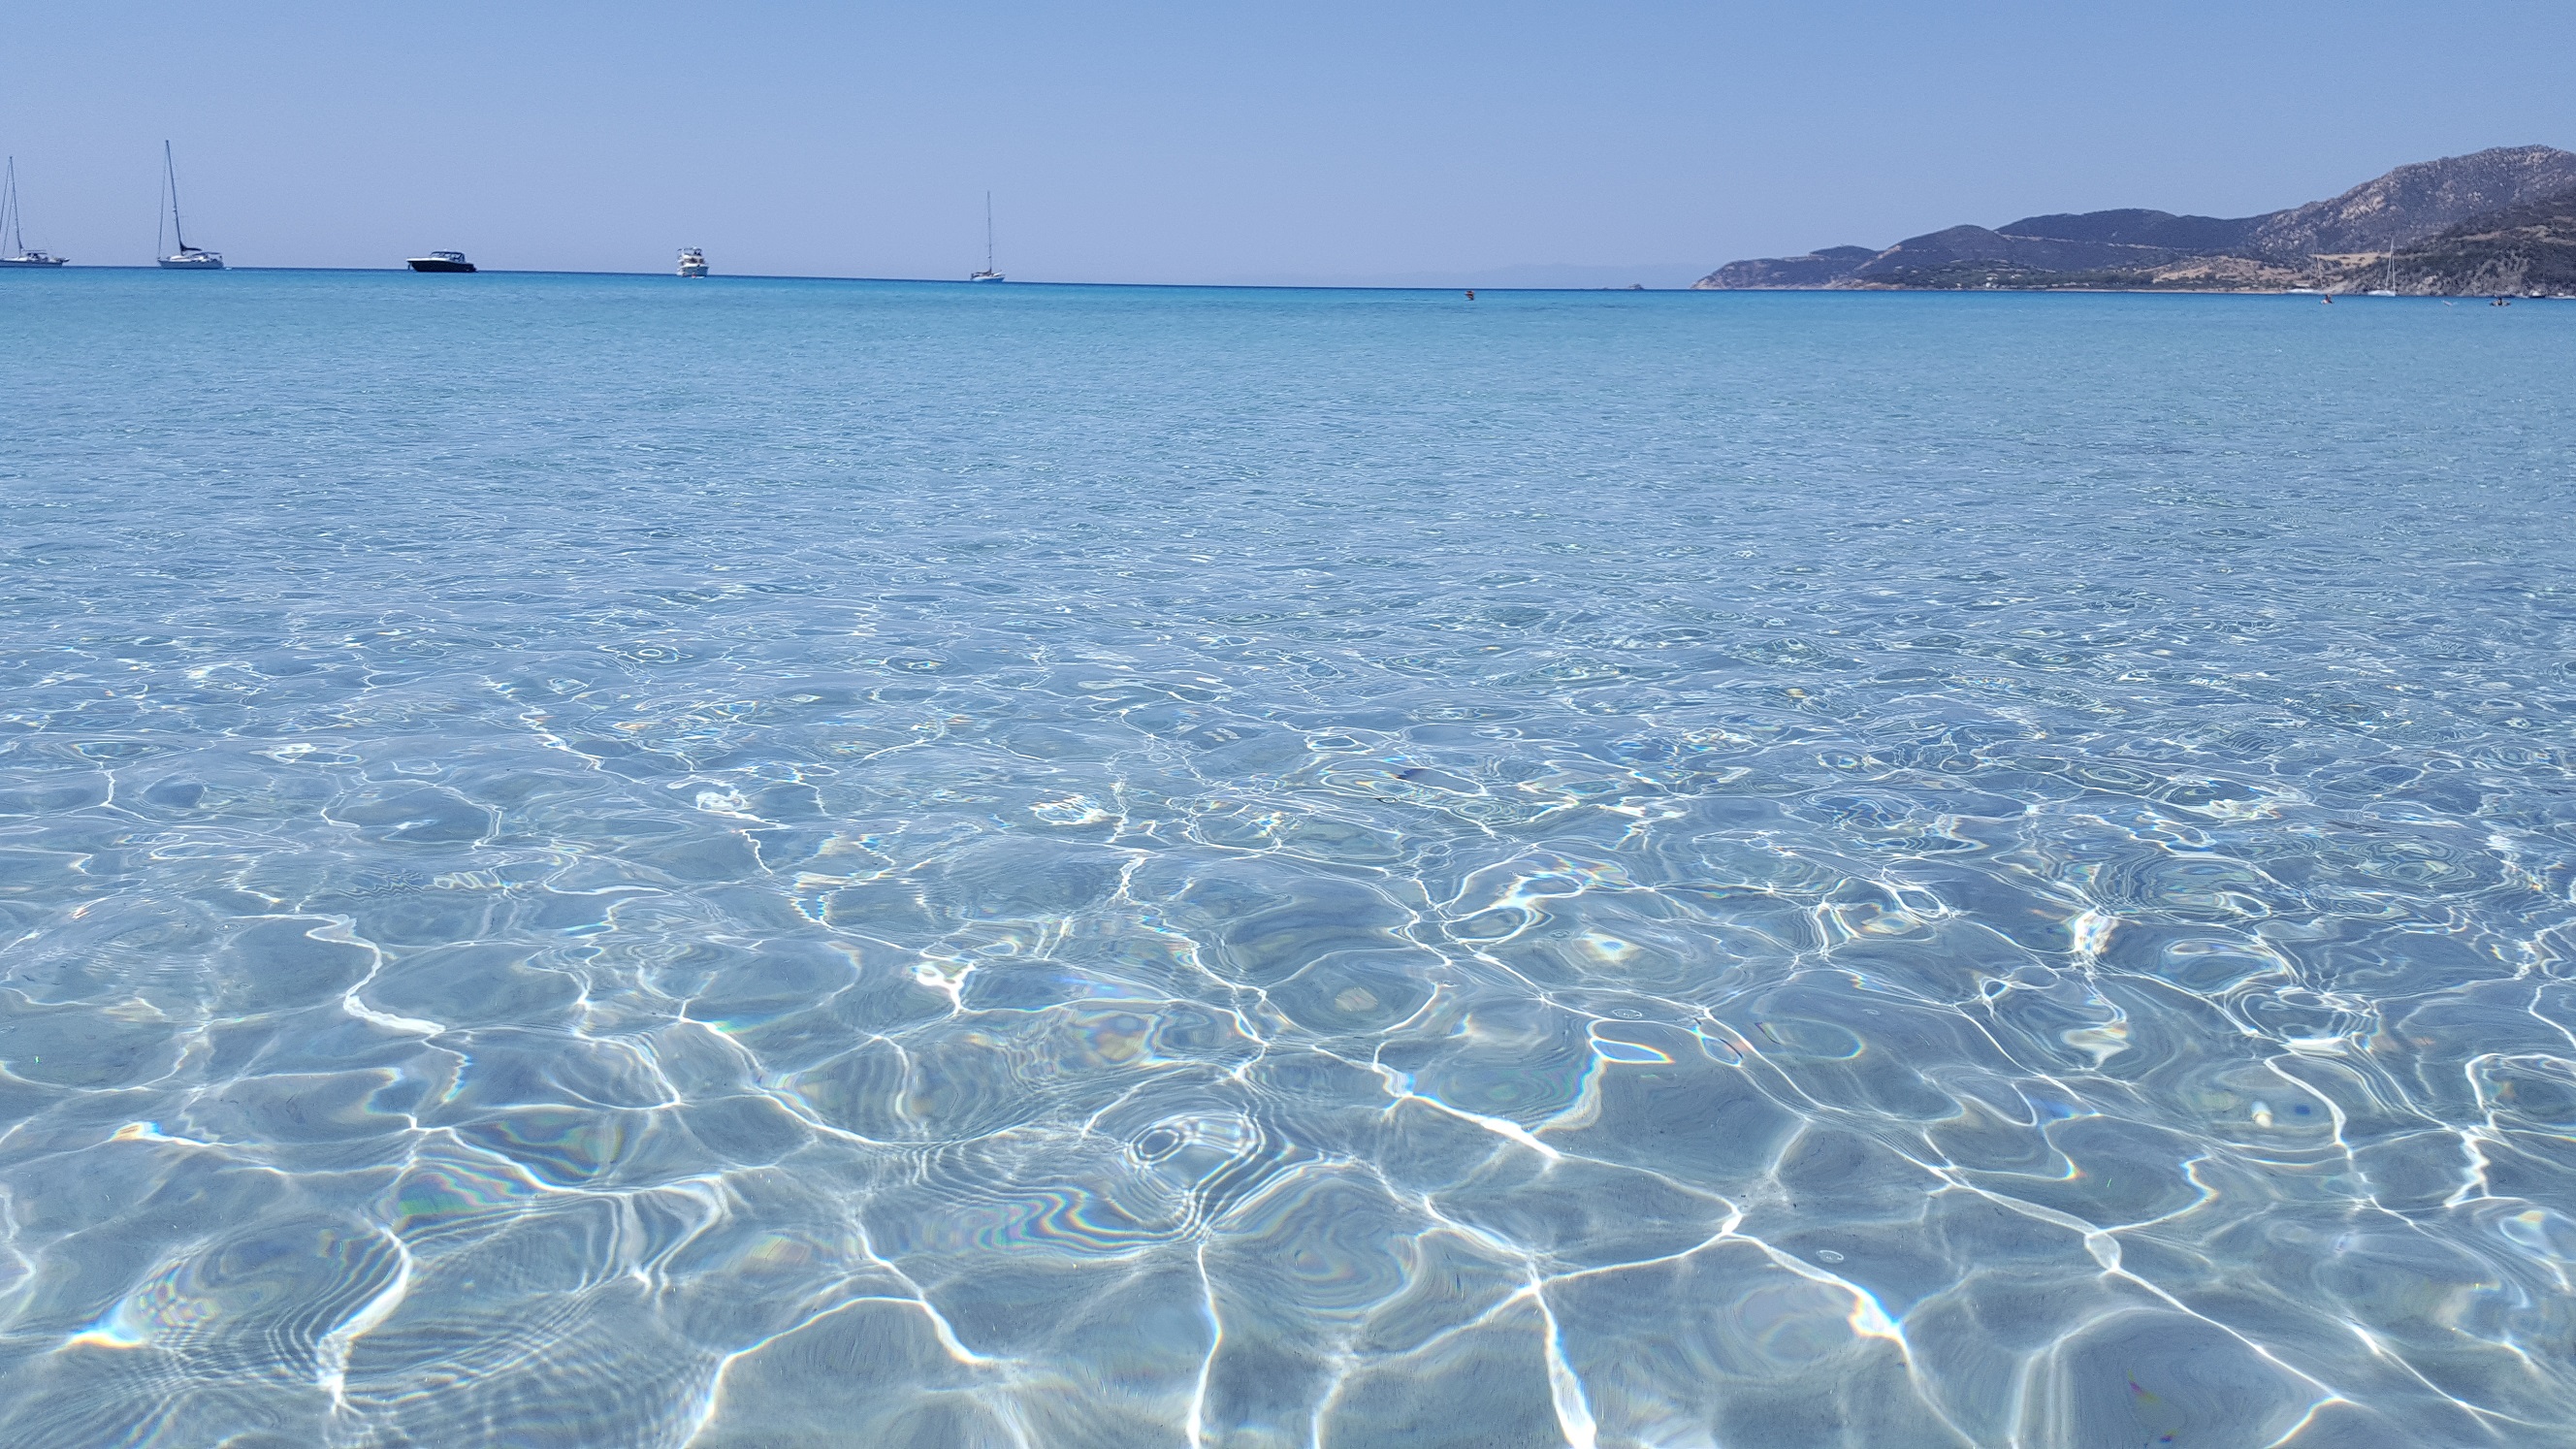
[{"x": 2498, "y": 221}]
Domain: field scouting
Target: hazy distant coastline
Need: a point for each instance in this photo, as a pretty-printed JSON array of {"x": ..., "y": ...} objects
[{"x": 2498, "y": 221}]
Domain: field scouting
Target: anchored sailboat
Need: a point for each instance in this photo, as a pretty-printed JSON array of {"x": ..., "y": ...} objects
[
  {"x": 19, "y": 256},
  {"x": 988, "y": 274},
  {"x": 186, "y": 258}
]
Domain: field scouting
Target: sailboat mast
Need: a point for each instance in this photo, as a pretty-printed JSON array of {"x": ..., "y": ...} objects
[
  {"x": 17, "y": 243},
  {"x": 170, "y": 169},
  {"x": 988, "y": 231}
]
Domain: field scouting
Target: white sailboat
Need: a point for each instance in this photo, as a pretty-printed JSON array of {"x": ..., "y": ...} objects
[
  {"x": 988, "y": 274},
  {"x": 186, "y": 258},
  {"x": 2389, "y": 288},
  {"x": 18, "y": 255}
]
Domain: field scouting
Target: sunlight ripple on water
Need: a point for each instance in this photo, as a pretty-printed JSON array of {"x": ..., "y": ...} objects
[{"x": 594, "y": 861}]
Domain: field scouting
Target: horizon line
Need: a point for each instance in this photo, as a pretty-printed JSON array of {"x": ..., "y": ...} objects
[
  {"x": 1284, "y": 286},
  {"x": 75, "y": 266}
]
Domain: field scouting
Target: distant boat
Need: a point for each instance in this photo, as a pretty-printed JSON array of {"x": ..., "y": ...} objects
[
  {"x": 693, "y": 263},
  {"x": 19, "y": 256},
  {"x": 186, "y": 258},
  {"x": 988, "y": 274},
  {"x": 441, "y": 262}
]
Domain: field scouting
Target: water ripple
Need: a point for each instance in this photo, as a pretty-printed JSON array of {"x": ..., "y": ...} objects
[{"x": 788, "y": 863}]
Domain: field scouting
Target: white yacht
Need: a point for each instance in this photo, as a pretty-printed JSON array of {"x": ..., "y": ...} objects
[
  {"x": 186, "y": 258},
  {"x": 18, "y": 255},
  {"x": 693, "y": 263},
  {"x": 988, "y": 274}
]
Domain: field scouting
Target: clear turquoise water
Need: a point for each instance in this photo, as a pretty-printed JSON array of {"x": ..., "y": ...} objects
[{"x": 603, "y": 861}]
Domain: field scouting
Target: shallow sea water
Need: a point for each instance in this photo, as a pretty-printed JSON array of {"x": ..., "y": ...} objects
[{"x": 601, "y": 861}]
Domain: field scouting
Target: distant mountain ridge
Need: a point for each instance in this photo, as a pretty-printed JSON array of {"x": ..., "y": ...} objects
[
  {"x": 2134, "y": 227},
  {"x": 2331, "y": 244}
]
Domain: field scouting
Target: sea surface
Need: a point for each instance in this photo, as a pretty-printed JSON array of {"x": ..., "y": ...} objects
[{"x": 609, "y": 861}]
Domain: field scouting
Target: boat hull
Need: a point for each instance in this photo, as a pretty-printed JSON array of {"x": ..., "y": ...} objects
[
  {"x": 33, "y": 261},
  {"x": 439, "y": 264},
  {"x": 193, "y": 264}
]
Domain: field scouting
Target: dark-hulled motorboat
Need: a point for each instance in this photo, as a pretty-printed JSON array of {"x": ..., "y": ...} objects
[{"x": 442, "y": 262}]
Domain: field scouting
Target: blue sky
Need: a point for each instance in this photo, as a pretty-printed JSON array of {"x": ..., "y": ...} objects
[{"x": 1195, "y": 143}]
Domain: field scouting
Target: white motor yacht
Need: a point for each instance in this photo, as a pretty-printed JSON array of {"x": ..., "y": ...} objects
[{"x": 693, "y": 263}]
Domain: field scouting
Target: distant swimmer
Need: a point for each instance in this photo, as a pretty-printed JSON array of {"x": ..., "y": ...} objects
[{"x": 1471, "y": 296}]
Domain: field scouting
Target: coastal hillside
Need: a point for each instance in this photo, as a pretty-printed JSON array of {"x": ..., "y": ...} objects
[
  {"x": 2517, "y": 250},
  {"x": 2414, "y": 203},
  {"x": 2334, "y": 244}
]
